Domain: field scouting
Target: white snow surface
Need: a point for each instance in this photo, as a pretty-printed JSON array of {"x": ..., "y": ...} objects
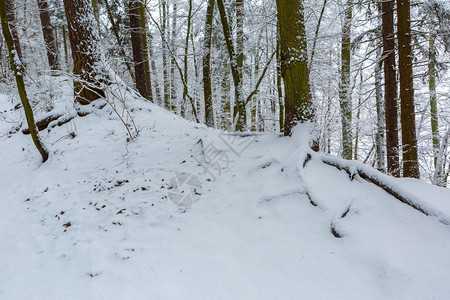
[{"x": 252, "y": 234}]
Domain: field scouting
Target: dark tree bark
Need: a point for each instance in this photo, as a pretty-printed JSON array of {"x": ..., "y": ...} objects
[
  {"x": 344, "y": 86},
  {"x": 11, "y": 17},
  {"x": 279, "y": 82},
  {"x": 294, "y": 64},
  {"x": 85, "y": 44},
  {"x": 143, "y": 19},
  {"x": 17, "y": 68},
  {"x": 390, "y": 89},
  {"x": 138, "y": 50},
  {"x": 407, "y": 112},
  {"x": 207, "y": 90},
  {"x": 49, "y": 35}
]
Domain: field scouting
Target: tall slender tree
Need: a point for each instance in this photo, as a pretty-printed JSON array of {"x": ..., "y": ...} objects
[
  {"x": 390, "y": 88},
  {"x": 166, "y": 80},
  {"x": 49, "y": 35},
  {"x": 239, "y": 112},
  {"x": 407, "y": 111},
  {"x": 345, "y": 88},
  {"x": 138, "y": 50},
  {"x": 433, "y": 98},
  {"x": 18, "y": 70},
  {"x": 173, "y": 44},
  {"x": 11, "y": 17},
  {"x": 207, "y": 90},
  {"x": 145, "y": 50}
]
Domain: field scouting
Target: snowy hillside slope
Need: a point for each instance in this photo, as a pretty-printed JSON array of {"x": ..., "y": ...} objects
[{"x": 96, "y": 222}]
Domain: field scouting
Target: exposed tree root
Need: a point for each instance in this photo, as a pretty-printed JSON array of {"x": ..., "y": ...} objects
[
  {"x": 352, "y": 171},
  {"x": 334, "y": 232}
]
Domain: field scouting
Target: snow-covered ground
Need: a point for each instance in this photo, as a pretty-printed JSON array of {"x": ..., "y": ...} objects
[{"x": 97, "y": 221}]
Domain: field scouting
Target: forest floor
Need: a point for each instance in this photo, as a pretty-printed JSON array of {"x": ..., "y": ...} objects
[{"x": 99, "y": 219}]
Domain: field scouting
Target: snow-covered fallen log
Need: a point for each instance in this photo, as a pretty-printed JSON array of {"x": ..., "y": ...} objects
[{"x": 439, "y": 210}]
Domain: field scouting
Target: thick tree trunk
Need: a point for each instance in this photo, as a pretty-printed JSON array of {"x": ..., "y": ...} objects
[
  {"x": 138, "y": 50},
  {"x": 294, "y": 63},
  {"x": 49, "y": 35},
  {"x": 17, "y": 68},
  {"x": 207, "y": 90},
  {"x": 344, "y": 88},
  {"x": 409, "y": 141},
  {"x": 85, "y": 44},
  {"x": 390, "y": 88}
]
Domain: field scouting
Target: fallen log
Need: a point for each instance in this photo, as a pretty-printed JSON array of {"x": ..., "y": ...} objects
[
  {"x": 376, "y": 178},
  {"x": 42, "y": 123}
]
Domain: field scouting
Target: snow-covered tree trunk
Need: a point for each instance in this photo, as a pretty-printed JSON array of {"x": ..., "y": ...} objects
[
  {"x": 345, "y": 89},
  {"x": 138, "y": 50},
  {"x": 381, "y": 163},
  {"x": 11, "y": 17},
  {"x": 433, "y": 100},
  {"x": 294, "y": 63},
  {"x": 239, "y": 112},
  {"x": 390, "y": 88},
  {"x": 49, "y": 35},
  {"x": 279, "y": 82},
  {"x": 166, "y": 83},
  {"x": 206, "y": 65},
  {"x": 185, "y": 60},
  {"x": 143, "y": 23},
  {"x": 440, "y": 174},
  {"x": 18, "y": 70},
  {"x": 239, "y": 106},
  {"x": 407, "y": 111},
  {"x": 173, "y": 37},
  {"x": 85, "y": 44}
]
